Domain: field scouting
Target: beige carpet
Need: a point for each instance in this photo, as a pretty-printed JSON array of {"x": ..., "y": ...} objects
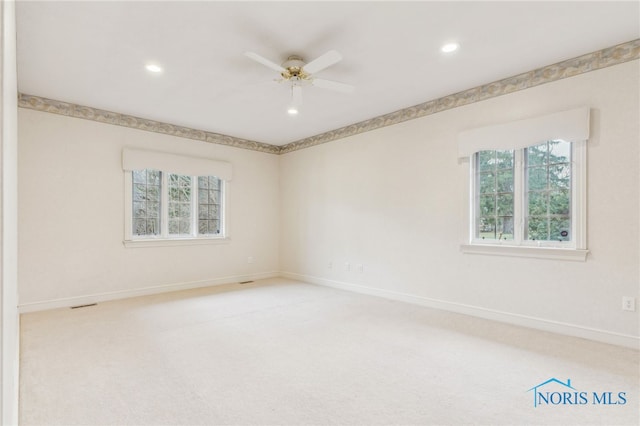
[{"x": 288, "y": 353}]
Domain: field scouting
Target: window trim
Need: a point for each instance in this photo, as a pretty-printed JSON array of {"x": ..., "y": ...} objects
[
  {"x": 168, "y": 242},
  {"x": 131, "y": 240},
  {"x": 576, "y": 249},
  {"x": 579, "y": 255}
]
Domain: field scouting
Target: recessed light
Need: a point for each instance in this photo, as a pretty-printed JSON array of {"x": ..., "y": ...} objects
[
  {"x": 154, "y": 68},
  {"x": 450, "y": 47},
  {"x": 292, "y": 110}
]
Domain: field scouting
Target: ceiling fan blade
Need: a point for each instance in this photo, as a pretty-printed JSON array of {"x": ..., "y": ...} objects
[
  {"x": 324, "y": 61},
  {"x": 333, "y": 85},
  {"x": 265, "y": 62},
  {"x": 296, "y": 95}
]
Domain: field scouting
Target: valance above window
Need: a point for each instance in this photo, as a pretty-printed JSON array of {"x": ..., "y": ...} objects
[
  {"x": 134, "y": 159},
  {"x": 572, "y": 125}
]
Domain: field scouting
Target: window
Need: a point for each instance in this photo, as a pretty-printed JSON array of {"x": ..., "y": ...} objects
[
  {"x": 146, "y": 202},
  {"x": 209, "y": 205},
  {"x": 528, "y": 186},
  {"x": 171, "y": 199},
  {"x": 495, "y": 190},
  {"x": 548, "y": 186},
  {"x": 526, "y": 196},
  {"x": 192, "y": 208}
]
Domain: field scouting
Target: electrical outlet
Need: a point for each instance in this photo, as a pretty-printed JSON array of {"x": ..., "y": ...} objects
[
  {"x": 330, "y": 265},
  {"x": 628, "y": 303},
  {"x": 250, "y": 259},
  {"x": 347, "y": 266}
]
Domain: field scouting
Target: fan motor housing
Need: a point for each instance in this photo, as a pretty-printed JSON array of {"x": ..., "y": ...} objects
[{"x": 294, "y": 68}]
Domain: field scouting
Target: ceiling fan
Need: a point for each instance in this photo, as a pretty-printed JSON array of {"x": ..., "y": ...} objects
[{"x": 298, "y": 74}]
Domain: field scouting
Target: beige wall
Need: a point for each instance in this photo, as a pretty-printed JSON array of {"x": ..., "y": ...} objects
[
  {"x": 394, "y": 201},
  {"x": 72, "y": 216}
]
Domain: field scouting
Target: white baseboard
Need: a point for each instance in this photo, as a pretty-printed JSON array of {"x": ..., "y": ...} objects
[
  {"x": 557, "y": 327},
  {"x": 146, "y": 291}
]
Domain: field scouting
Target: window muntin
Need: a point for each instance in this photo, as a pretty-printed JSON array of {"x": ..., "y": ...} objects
[
  {"x": 173, "y": 206},
  {"x": 495, "y": 208},
  {"x": 528, "y": 196},
  {"x": 548, "y": 191},
  {"x": 209, "y": 205},
  {"x": 146, "y": 202}
]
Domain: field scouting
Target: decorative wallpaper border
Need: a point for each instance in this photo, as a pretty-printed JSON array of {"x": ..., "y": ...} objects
[
  {"x": 78, "y": 111},
  {"x": 582, "y": 64}
]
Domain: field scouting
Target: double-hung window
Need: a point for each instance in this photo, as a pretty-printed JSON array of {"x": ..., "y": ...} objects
[
  {"x": 528, "y": 188},
  {"x": 173, "y": 199}
]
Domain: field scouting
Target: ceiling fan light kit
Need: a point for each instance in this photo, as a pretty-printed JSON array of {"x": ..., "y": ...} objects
[{"x": 297, "y": 74}]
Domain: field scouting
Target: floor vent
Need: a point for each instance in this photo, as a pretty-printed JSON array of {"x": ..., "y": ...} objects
[
  {"x": 83, "y": 306},
  {"x": 245, "y": 282}
]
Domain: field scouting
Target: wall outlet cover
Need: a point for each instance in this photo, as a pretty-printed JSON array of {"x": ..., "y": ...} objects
[{"x": 628, "y": 303}]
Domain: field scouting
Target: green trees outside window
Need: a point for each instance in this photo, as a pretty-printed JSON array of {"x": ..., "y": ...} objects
[
  {"x": 548, "y": 197},
  {"x": 496, "y": 187},
  {"x": 543, "y": 196}
]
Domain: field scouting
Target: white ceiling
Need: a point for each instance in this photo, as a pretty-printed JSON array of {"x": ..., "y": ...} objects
[{"x": 93, "y": 54}]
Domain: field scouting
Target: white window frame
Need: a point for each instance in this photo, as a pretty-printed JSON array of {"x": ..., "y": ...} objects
[
  {"x": 167, "y": 162},
  {"x": 576, "y": 249},
  {"x": 164, "y": 238},
  {"x": 569, "y": 125}
]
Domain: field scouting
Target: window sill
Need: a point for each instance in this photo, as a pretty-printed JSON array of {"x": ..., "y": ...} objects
[
  {"x": 576, "y": 255},
  {"x": 174, "y": 242}
]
